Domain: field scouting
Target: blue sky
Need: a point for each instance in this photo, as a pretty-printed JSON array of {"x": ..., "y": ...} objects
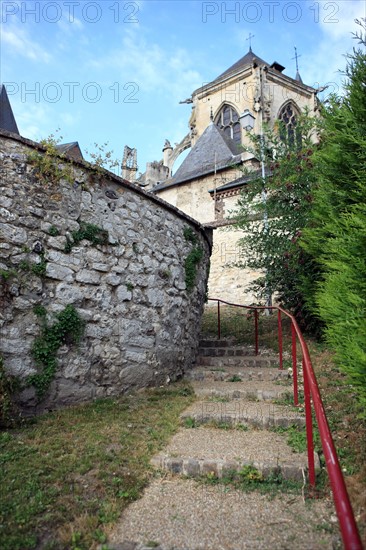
[{"x": 115, "y": 71}]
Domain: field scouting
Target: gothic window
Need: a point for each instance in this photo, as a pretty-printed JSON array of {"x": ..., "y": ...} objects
[
  {"x": 228, "y": 121},
  {"x": 288, "y": 118}
]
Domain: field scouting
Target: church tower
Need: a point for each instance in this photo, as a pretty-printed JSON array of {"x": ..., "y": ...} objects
[{"x": 207, "y": 184}]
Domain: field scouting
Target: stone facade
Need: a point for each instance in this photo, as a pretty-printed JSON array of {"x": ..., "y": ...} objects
[{"x": 141, "y": 323}]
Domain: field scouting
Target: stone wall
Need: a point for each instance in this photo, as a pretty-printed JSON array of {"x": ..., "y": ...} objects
[{"x": 141, "y": 323}]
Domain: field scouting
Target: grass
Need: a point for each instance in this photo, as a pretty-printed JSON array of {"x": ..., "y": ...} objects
[
  {"x": 348, "y": 428},
  {"x": 296, "y": 437},
  {"x": 67, "y": 476},
  {"x": 249, "y": 479}
]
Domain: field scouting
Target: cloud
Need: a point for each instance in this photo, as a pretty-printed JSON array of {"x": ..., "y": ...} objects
[
  {"x": 337, "y": 19},
  {"x": 153, "y": 68},
  {"x": 18, "y": 41},
  {"x": 325, "y": 63}
]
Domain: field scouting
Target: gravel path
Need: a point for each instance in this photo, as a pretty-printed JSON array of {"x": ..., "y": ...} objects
[{"x": 179, "y": 514}]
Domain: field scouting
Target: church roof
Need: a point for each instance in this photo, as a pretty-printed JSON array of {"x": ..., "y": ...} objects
[
  {"x": 248, "y": 59},
  {"x": 7, "y": 119},
  {"x": 212, "y": 149}
]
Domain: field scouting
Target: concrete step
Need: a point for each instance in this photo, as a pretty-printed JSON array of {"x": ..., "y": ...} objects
[
  {"x": 250, "y": 390},
  {"x": 246, "y": 374},
  {"x": 225, "y": 351},
  {"x": 241, "y": 412},
  {"x": 216, "y": 343},
  {"x": 202, "y": 451},
  {"x": 239, "y": 360}
]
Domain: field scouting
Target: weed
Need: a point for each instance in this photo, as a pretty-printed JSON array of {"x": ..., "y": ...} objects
[
  {"x": 40, "y": 269},
  {"x": 218, "y": 399},
  {"x": 89, "y": 232},
  {"x": 129, "y": 287},
  {"x": 250, "y": 479},
  {"x": 190, "y": 422},
  {"x": 50, "y": 166},
  {"x": 296, "y": 437},
  {"x": 234, "y": 378},
  {"x": 53, "y": 231},
  {"x": 242, "y": 427}
]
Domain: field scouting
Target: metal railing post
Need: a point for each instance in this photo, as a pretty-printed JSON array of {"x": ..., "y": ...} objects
[
  {"x": 294, "y": 365},
  {"x": 280, "y": 349},
  {"x": 309, "y": 425},
  {"x": 218, "y": 320},
  {"x": 256, "y": 331}
]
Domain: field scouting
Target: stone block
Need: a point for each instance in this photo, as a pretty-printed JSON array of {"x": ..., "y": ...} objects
[
  {"x": 123, "y": 294},
  {"x": 61, "y": 273},
  {"x": 88, "y": 276},
  {"x": 13, "y": 234},
  {"x": 191, "y": 467}
]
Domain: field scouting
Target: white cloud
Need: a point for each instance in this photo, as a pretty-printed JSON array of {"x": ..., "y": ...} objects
[
  {"x": 337, "y": 19},
  {"x": 325, "y": 63},
  {"x": 153, "y": 68},
  {"x": 18, "y": 41},
  {"x": 33, "y": 120}
]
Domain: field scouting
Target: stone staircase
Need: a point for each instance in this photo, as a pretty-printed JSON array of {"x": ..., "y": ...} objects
[{"x": 231, "y": 425}]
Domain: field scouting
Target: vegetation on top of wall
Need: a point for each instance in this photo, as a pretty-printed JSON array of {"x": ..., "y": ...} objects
[
  {"x": 89, "y": 232},
  {"x": 193, "y": 259},
  {"x": 68, "y": 329},
  {"x": 48, "y": 164},
  {"x": 103, "y": 158}
]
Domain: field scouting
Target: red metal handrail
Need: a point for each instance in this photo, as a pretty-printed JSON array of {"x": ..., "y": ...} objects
[{"x": 346, "y": 519}]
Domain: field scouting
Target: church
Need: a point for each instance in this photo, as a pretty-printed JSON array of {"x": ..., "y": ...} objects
[{"x": 207, "y": 184}]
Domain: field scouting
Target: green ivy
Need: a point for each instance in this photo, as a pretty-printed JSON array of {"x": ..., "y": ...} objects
[
  {"x": 9, "y": 385},
  {"x": 190, "y": 264},
  {"x": 89, "y": 232},
  {"x": 190, "y": 235},
  {"x": 193, "y": 258},
  {"x": 68, "y": 329}
]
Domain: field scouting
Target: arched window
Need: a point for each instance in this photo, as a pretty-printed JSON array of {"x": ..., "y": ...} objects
[
  {"x": 288, "y": 117},
  {"x": 228, "y": 121}
]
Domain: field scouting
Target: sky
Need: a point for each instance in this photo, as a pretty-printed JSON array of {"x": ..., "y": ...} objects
[{"x": 113, "y": 72}]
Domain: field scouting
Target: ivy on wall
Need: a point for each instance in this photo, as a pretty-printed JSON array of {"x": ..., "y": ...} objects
[
  {"x": 193, "y": 259},
  {"x": 68, "y": 329}
]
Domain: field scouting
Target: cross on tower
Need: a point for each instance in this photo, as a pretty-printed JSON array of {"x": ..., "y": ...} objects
[
  {"x": 250, "y": 40},
  {"x": 296, "y": 57}
]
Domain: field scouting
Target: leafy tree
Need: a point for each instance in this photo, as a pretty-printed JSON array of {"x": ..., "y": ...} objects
[
  {"x": 336, "y": 235},
  {"x": 273, "y": 211}
]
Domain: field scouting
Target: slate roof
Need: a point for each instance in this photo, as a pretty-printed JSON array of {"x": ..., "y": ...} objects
[
  {"x": 248, "y": 59},
  {"x": 212, "y": 149},
  {"x": 7, "y": 119},
  {"x": 70, "y": 149}
]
